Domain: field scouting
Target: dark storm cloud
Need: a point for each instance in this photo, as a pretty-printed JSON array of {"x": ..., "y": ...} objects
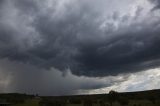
[
  {"x": 70, "y": 37},
  {"x": 128, "y": 53},
  {"x": 157, "y": 4},
  {"x": 18, "y": 77}
]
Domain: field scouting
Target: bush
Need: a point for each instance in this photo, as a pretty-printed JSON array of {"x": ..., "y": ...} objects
[{"x": 113, "y": 96}]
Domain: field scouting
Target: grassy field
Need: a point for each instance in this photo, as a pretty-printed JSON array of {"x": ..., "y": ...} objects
[
  {"x": 35, "y": 102},
  {"x": 30, "y": 102},
  {"x": 130, "y": 103},
  {"x": 143, "y": 98}
]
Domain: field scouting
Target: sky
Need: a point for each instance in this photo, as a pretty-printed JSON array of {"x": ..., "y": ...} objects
[{"x": 70, "y": 47}]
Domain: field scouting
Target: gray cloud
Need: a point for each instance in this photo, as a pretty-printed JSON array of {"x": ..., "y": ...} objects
[
  {"x": 72, "y": 35},
  {"x": 157, "y": 4},
  {"x": 25, "y": 78},
  {"x": 135, "y": 82}
]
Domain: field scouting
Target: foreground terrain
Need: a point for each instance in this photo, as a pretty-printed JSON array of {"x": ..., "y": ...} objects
[{"x": 142, "y": 98}]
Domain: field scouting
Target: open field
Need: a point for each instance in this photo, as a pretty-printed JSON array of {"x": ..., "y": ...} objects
[
  {"x": 31, "y": 102},
  {"x": 143, "y": 98},
  {"x": 131, "y": 103}
]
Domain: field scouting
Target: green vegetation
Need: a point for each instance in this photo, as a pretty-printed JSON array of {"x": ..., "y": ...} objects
[
  {"x": 144, "y": 98},
  {"x": 30, "y": 102}
]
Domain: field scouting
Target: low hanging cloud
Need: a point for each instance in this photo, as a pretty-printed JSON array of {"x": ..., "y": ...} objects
[
  {"x": 134, "y": 82},
  {"x": 84, "y": 37},
  {"x": 25, "y": 78}
]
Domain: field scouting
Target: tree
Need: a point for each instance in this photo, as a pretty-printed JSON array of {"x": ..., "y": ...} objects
[{"x": 112, "y": 97}]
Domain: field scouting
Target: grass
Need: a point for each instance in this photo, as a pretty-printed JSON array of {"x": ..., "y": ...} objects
[
  {"x": 35, "y": 102},
  {"x": 30, "y": 102},
  {"x": 142, "y": 98}
]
